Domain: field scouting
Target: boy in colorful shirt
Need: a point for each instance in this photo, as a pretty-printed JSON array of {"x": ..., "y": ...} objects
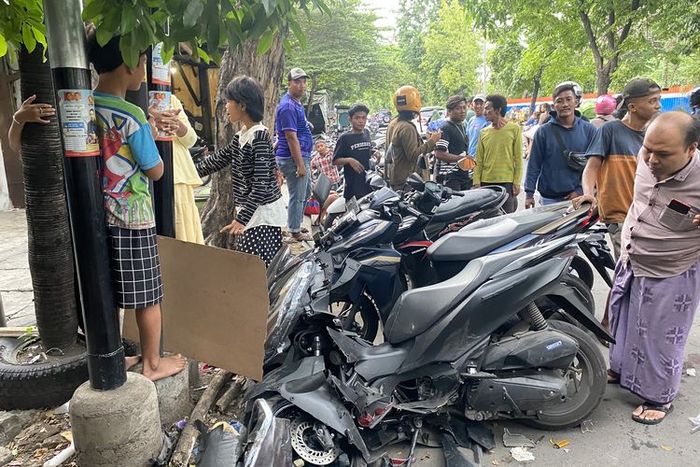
[{"x": 129, "y": 159}]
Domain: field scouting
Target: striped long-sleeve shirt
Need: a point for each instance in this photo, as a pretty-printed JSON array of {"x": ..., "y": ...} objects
[{"x": 253, "y": 169}]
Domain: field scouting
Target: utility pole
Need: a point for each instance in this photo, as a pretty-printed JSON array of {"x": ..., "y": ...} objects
[{"x": 76, "y": 115}]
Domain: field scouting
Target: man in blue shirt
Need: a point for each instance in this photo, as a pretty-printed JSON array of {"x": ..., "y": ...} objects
[
  {"x": 294, "y": 145},
  {"x": 548, "y": 170},
  {"x": 476, "y": 124}
]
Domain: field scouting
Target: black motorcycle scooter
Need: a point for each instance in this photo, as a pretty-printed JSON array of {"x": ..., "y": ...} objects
[{"x": 472, "y": 348}]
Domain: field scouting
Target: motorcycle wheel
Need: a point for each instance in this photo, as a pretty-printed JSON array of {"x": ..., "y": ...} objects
[
  {"x": 582, "y": 270},
  {"x": 361, "y": 317},
  {"x": 589, "y": 365}
]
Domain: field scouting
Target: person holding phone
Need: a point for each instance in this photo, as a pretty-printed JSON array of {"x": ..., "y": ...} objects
[{"x": 656, "y": 292}]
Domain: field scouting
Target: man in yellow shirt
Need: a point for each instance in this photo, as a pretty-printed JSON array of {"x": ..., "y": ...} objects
[{"x": 499, "y": 153}]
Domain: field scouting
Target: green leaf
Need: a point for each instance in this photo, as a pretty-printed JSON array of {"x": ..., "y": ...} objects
[
  {"x": 270, "y": 6},
  {"x": 192, "y": 13},
  {"x": 265, "y": 42},
  {"x": 130, "y": 53},
  {"x": 3, "y": 45},
  {"x": 28, "y": 38},
  {"x": 128, "y": 21},
  {"x": 203, "y": 55},
  {"x": 103, "y": 35},
  {"x": 92, "y": 9}
]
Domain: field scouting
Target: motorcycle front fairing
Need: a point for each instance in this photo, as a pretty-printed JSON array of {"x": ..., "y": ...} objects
[{"x": 304, "y": 384}]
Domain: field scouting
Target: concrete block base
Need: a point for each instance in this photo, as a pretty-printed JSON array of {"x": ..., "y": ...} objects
[
  {"x": 119, "y": 427},
  {"x": 174, "y": 395}
]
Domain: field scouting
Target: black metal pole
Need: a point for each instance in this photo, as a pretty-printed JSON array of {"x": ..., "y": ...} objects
[
  {"x": 71, "y": 75},
  {"x": 159, "y": 92}
]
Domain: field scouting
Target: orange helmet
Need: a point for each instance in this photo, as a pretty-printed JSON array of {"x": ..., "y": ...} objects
[{"x": 407, "y": 98}]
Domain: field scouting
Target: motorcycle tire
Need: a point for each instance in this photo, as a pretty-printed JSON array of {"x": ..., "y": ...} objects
[
  {"x": 583, "y": 270},
  {"x": 573, "y": 412},
  {"x": 39, "y": 385},
  {"x": 369, "y": 312}
]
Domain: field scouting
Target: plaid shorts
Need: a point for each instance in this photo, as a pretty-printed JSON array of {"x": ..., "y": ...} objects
[{"x": 135, "y": 267}]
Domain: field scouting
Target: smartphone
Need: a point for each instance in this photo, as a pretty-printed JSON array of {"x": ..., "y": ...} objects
[{"x": 679, "y": 207}]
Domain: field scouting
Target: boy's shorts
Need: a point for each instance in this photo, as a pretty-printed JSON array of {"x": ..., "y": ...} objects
[{"x": 135, "y": 267}]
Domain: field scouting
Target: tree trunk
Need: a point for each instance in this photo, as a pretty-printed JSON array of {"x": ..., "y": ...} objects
[
  {"x": 536, "y": 88},
  {"x": 50, "y": 246},
  {"x": 312, "y": 93},
  {"x": 603, "y": 77},
  {"x": 267, "y": 69}
]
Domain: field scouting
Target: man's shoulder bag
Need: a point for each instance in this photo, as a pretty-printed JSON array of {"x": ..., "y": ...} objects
[{"x": 575, "y": 160}]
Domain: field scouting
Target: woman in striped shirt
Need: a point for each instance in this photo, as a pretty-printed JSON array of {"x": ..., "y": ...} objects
[{"x": 261, "y": 212}]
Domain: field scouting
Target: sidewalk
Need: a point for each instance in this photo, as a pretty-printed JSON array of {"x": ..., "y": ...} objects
[{"x": 15, "y": 280}]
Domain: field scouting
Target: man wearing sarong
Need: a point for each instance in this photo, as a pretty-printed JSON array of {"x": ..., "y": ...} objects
[{"x": 657, "y": 280}]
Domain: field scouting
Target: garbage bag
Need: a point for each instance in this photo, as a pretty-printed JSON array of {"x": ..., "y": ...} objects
[{"x": 220, "y": 446}]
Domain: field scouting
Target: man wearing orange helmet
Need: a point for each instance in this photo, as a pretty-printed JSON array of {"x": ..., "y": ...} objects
[{"x": 403, "y": 143}]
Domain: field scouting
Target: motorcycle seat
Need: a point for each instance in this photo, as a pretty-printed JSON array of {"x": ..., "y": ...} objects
[
  {"x": 482, "y": 237},
  {"x": 417, "y": 309},
  {"x": 472, "y": 201}
]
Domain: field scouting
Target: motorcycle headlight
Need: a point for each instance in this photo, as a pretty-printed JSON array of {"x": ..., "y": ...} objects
[{"x": 287, "y": 307}]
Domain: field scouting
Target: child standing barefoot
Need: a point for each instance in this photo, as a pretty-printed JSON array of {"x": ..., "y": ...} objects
[{"x": 129, "y": 159}]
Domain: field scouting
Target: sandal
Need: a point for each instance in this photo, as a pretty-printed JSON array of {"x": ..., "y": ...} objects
[
  {"x": 613, "y": 378},
  {"x": 651, "y": 406}
]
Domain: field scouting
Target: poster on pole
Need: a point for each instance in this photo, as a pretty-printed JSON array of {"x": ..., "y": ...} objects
[
  {"x": 76, "y": 109},
  {"x": 161, "y": 101},
  {"x": 160, "y": 72}
]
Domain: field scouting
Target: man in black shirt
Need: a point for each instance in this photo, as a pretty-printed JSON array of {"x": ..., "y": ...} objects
[
  {"x": 353, "y": 150},
  {"x": 453, "y": 145}
]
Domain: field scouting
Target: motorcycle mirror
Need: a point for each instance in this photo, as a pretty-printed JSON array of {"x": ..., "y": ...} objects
[{"x": 415, "y": 182}]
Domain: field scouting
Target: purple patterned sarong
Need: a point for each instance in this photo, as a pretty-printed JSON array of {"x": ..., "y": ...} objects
[{"x": 650, "y": 319}]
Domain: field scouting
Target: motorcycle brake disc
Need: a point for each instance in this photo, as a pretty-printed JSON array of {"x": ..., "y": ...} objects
[{"x": 302, "y": 432}]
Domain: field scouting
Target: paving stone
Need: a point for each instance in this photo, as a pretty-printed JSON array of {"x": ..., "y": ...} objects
[{"x": 13, "y": 422}]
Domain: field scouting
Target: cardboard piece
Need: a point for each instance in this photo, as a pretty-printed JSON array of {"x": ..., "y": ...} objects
[{"x": 215, "y": 306}]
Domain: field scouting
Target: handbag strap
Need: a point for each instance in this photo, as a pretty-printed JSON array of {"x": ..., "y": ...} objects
[{"x": 557, "y": 135}]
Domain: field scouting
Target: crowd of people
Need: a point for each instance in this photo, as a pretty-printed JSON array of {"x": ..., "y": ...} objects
[{"x": 640, "y": 169}]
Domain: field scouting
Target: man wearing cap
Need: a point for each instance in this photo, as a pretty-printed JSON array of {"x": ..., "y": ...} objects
[
  {"x": 548, "y": 171},
  {"x": 476, "y": 124},
  {"x": 608, "y": 179},
  {"x": 294, "y": 147}
]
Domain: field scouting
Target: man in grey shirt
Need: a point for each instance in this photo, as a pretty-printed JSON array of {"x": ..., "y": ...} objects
[{"x": 657, "y": 280}]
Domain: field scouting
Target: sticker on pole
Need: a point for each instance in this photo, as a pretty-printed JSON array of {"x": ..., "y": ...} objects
[
  {"x": 160, "y": 72},
  {"x": 161, "y": 101},
  {"x": 78, "y": 123}
]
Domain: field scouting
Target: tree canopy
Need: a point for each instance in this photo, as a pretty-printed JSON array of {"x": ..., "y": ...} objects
[{"x": 207, "y": 25}]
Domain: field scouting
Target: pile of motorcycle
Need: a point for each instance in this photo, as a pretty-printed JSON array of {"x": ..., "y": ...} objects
[{"x": 420, "y": 316}]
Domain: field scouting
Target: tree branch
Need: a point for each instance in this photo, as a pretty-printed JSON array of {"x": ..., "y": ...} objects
[
  {"x": 585, "y": 19},
  {"x": 609, "y": 33},
  {"x": 628, "y": 25}
]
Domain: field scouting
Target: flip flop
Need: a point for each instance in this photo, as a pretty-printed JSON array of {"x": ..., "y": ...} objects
[
  {"x": 651, "y": 406},
  {"x": 613, "y": 378}
]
